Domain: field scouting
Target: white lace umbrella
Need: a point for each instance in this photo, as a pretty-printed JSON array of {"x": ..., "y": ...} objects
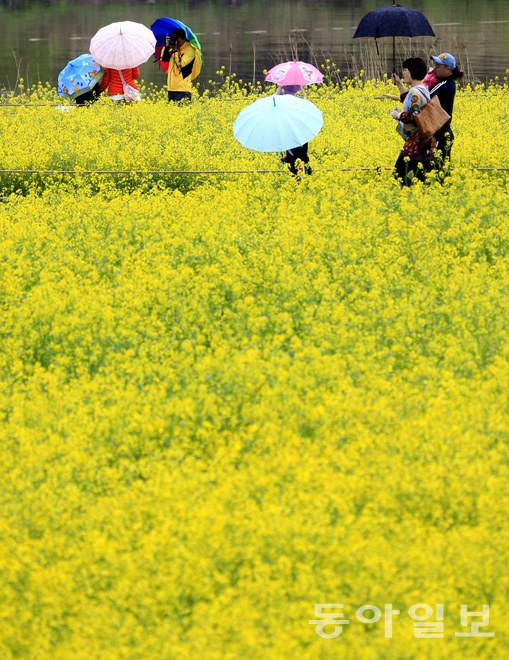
[{"x": 122, "y": 45}]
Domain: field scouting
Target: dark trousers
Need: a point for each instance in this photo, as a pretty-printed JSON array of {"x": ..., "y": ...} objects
[
  {"x": 443, "y": 153},
  {"x": 445, "y": 141},
  {"x": 88, "y": 97},
  {"x": 295, "y": 154},
  {"x": 176, "y": 97},
  {"x": 408, "y": 170}
]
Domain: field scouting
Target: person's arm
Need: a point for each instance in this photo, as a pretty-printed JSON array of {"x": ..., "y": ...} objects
[
  {"x": 397, "y": 81},
  {"x": 166, "y": 54},
  {"x": 135, "y": 73}
]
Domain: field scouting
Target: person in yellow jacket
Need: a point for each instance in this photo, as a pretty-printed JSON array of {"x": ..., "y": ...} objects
[{"x": 181, "y": 57}]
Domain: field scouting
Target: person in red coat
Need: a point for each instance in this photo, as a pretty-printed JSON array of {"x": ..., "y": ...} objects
[{"x": 113, "y": 82}]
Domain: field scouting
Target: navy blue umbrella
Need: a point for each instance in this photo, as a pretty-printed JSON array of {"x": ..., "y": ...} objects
[{"x": 394, "y": 22}]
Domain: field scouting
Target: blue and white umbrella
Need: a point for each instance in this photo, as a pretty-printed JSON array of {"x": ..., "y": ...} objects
[
  {"x": 277, "y": 123},
  {"x": 79, "y": 76}
]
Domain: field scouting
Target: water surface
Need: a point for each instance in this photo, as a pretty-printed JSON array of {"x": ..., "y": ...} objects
[{"x": 247, "y": 37}]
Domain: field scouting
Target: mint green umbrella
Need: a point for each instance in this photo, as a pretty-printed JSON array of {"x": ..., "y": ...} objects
[{"x": 277, "y": 123}]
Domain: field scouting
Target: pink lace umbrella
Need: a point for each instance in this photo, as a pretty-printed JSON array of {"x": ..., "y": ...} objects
[
  {"x": 123, "y": 45},
  {"x": 294, "y": 73}
]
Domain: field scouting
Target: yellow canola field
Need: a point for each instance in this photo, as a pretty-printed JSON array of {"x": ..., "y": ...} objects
[
  {"x": 227, "y": 399},
  {"x": 358, "y": 132}
]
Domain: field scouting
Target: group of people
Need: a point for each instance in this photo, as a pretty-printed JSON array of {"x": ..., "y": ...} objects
[
  {"x": 184, "y": 64},
  {"x": 420, "y": 154}
]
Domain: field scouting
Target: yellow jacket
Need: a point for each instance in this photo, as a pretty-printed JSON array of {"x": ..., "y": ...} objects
[{"x": 180, "y": 66}]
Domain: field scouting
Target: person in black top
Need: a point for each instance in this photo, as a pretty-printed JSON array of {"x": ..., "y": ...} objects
[
  {"x": 447, "y": 73},
  {"x": 291, "y": 156}
]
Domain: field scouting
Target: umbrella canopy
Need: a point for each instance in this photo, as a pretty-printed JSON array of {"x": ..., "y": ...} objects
[
  {"x": 164, "y": 26},
  {"x": 277, "y": 123},
  {"x": 123, "y": 45},
  {"x": 79, "y": 76},
  {"x": 394, "y": 22},
  {"x": 294, "y": 73}
]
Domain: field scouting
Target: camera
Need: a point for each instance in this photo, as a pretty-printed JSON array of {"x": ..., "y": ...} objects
[{"x": 171, "y": 40}]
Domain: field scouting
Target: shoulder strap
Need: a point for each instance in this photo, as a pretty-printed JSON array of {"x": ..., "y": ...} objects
[
  {"x": 424, "y": 91},
  {"x": 437, "y": 86}
]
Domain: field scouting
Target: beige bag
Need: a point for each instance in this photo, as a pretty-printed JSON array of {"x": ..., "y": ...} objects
[
  {"x": 131, "y": 94},
  {"x": 431, "y": 117}
]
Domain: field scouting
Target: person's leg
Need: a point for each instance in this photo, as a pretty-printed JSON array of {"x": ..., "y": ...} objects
[
  {"x": 96, "y": 92},
  {"x": 423, "y": 169},
  {"x": 290, "y": 159},
  {"x": 444, "y": 142},
  {"x": 86, "y": 97},
  {"x": 404, "y": 169},
  {"x": 295, "y": 154},
  {"x": 177, "y": 97},
  {"x": 407, "y": 170},
  {"x": 305, "y": 158}
]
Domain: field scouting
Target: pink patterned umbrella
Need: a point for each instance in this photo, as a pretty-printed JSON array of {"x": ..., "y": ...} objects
[
  {"x": 294, "y": 73},
  {"x": 123, "y": 45}
]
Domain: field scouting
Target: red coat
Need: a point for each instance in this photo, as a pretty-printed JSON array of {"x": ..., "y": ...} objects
[{"x": 113, "y": 82}]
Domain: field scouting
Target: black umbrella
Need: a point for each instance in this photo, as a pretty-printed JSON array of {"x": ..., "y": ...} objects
[{"x": 394, "y": 22}]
